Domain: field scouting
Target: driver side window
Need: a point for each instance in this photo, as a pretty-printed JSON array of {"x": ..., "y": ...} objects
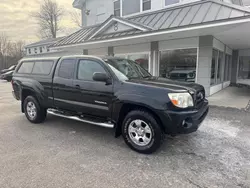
[{"x": 86, "y": 69}]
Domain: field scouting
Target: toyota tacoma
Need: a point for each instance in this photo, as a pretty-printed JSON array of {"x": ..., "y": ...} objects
[{"x": 109, "y": 92}]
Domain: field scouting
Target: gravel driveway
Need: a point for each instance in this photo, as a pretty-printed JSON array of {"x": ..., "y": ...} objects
[{"x": 65, "y": 153}]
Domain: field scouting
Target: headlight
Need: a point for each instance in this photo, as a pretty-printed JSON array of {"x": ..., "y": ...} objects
[{"x": 181, "y": 100}]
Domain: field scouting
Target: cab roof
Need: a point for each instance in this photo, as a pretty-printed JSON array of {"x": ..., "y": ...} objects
[{"x": 70, "y": 56}]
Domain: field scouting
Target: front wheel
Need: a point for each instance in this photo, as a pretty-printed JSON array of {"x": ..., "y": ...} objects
[
  {"x": 33, "y": 110},
  {"x": 141, "y": 132}
]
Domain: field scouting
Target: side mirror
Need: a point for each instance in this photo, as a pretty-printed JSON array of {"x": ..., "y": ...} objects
[{"x": 100, "y": 77}]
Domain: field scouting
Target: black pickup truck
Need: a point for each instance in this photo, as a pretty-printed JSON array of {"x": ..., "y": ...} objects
[{"x": 110, "y": 92}]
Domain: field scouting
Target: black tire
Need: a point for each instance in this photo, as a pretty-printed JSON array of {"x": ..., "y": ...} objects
[
  {"x": 41, "y": 113},
  {"x": 157, "y": 133}
]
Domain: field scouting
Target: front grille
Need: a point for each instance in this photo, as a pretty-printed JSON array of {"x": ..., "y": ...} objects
[{"x": 178, "y": 76}]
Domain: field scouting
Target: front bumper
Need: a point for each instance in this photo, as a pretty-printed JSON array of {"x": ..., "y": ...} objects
[{"x": 184, "y": 122}]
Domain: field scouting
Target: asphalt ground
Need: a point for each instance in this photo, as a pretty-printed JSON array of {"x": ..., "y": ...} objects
[{"x": 65, "y": 153}]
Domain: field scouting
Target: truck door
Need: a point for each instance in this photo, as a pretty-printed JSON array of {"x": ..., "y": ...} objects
[
  {"x": 93, "y": 97},
  {"x": 63, "y": 84}
]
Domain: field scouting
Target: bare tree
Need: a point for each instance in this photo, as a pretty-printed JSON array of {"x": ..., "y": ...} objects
[
  {"x": 4, "y": 49},
  {"x": 4, "y": 44},
  {"x": 10, "y": 52},
  {"x": 76, "y": 18},
  {"x": 17, "y": 49},
  {"x": 48, "y": 18}
]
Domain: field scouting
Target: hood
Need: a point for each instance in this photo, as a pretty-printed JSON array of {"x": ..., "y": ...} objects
[
  {"x": 168, "y": 84},
  {"x": 8, "y": 73},
  {"x": 4, "y": 71}
]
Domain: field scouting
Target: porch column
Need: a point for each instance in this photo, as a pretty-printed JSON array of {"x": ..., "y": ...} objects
[
  {"x": 85, "y": 52},
  {"x": 234, "y": 70},
  {"x": 222, "y": 71},
  {"x": 204, "y": 62},
  {"x": 111, "y": 51},
  {"x": 154, "y": 58}
]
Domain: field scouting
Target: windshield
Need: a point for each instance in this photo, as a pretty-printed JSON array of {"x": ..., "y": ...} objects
[{"x": 126, "y": 69}]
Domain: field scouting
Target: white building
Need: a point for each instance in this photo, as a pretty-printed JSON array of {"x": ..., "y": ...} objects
[
  {"x": 203, "y": 41},
  {"x": 41, "y": 47}
]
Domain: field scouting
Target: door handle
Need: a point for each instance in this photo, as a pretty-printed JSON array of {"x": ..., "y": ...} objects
[{"x": 77, "y": 86}]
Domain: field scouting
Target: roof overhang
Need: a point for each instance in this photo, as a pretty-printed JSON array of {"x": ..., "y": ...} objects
[{"x": 228, "y": 27}]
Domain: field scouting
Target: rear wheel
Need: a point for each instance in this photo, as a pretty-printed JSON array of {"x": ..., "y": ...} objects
[
  {"x": 141, "y": 132},
  {"x": 33, "y": 110}
]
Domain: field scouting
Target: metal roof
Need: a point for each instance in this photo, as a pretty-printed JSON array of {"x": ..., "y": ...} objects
[
  {"x": 77, "y": 37},
  {"x": 200, "y": 12},
  {"x": 43, "y": 42},
  {"x": 189, "y": 14}
]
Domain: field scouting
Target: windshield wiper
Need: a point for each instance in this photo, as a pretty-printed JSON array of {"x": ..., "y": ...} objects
[{"x": 148, "y": 76}]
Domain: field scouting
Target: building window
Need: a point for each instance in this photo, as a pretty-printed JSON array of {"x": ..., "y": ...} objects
[
  {"x": 130, "y": 7},
  {"x": 41, "y": 50},
  {"x": 244, "y": 68},
  {"x": 216, "y": 67},
  {"x": 47, "y": 49},
  {"x": 219, "y": 67},
  {"x": 179, "y": 64},
  {"x": 127, "y": 7},
  {"x": 35, "y": 49},
  {"x": 117, "y": 8},
  {"x": 29, "y": 51},
  {"x": 140, "y": 58},
  {"x": 170, "y": 2},
  {"x": 146, "y": 5}
]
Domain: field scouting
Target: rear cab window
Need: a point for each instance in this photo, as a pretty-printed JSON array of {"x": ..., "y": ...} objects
[
  {"x": 26, "y": 67},
  {"x": 42, "y": 67},
  {"x": 39, "y": 67}
]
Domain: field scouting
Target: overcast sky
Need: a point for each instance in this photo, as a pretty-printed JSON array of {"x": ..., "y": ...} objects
[{"x": 15, "y": 18}]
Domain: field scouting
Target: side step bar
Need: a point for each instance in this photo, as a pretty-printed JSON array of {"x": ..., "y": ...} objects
[{"x": 55, "y": 113}]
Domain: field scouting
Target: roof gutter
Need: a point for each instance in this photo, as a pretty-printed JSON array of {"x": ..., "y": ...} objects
[{"x": 155, "y": 33}]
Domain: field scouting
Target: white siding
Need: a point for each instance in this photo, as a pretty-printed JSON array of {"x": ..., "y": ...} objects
[
  {"x": 218, "y": 45},
  {"x": 100, "y": 10},
  {"x": 120, "y": 27},
  {"x": 99, "y": 51},
  {"x": 157, "y": 4},
  {"x": 145, "y": 47},
  {"x": 216, "y": 88},
  {"x": 229, "y": 50},
  {"x": 226, "y": 84},
  {"x": 179, "y": 44}
]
